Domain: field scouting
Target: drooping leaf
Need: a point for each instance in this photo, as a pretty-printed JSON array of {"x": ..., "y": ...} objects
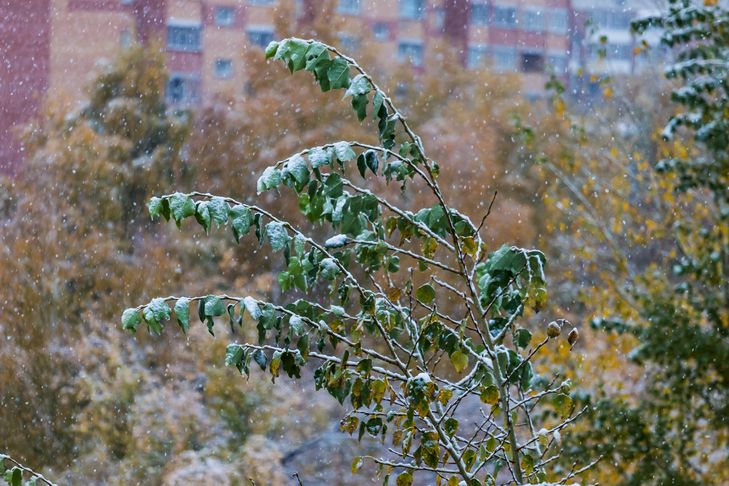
[
  {"x": 235, "y": 356},
  {"x": 338, "y": 73},
  {"x": 270, "y": 179},
  {"x": 182, "y": 312},
  {"x": 252, "y": 308},
  {"x": 260, "y": 358},
  {"x": 181, "y": 207},
  {"x": 298, "y": 327},
  {"x": 404, "y": 479},
  {"x": 359, "y": 86},
  {"x": 319, "y": 157},
  {"x": 156, "y": 207},
  {"x": 490, "y": 395},
  {"x": 425, "y": 294},
  {"x": 277, "y": 235},
  {"x": 131, "y": 319},
  {"x": 219, "y": 210},
  {"x": 202, "y": 215},
  {"x": 241, "y": 220},
  {"x": 271, "y": 49},
  {"x": 459, "y": 359},
  {"x": 562, "y": 404},
  {"x": 522, "y": 337},
  {"x": 344, "y": 151},
  {"x": 214, "y": 306}
]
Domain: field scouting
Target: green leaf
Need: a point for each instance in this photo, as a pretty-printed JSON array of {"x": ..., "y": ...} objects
[
  {"x": 181, "y": 206},
  {"x": 182, "y": 312},
  {"x": 319, "y": 157},
  {"x": 260, "y": 358},
  {"x": 562, "y": 404},
  {"x": 271, "y": 49},
  {"x": 297, "y": 54},
  {"x": 450, "y": 426},
  {"x": 338, "y": 73},
  {"x": 469, "y": 245},
  {"x": 155, "y": 207},
  {"x": 275, "y": 363},
  {"x": 522, "y": 337},
  {"x": 372, "y": 161},
  {"x": 359, "y": 104},
  {"x": 316, "y": 54},
  {"x": 235, "y": 356},
  {"x": 361, "y": 165},
  {"x": 296, "y": 167},
  {"x": 293, "y": 51},
  {"x": 131, "y": 319},
  {"x": 490, "y": 395},
  {"x": 16, "y": 476},
  {"x": 277, "y": 235},
  {"x": 252, "y": 308},
  {"x": 155, "y": 313},
  {"x": 290, "y": 365},
  {"x": 219, "y": 210},
  {"x": 241, "y": 220},
  {"x": 214, "y": 306},
  {"x": 270, "y": 179},
  {"x": 202, "y": 214},
  {"x": 404, "y": 479},
  {"x": 297, "y": 325},
  {"x": 359, "y": 86},
  {"x": 459, "y": 360},
  {"x": 344, "y": 151},
  {"x": 357, "y": 464},
  {"x": 425, "y": 294},
  {"x": 377, "y": 102}
]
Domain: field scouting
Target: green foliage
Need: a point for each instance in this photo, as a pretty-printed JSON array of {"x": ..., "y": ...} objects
[
  {"x": 15, "y": 474},
  {"x": 667, "y": 255},
  {"x": 378, "y": 328}
]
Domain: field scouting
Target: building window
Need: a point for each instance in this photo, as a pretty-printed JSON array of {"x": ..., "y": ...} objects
[
  {"x": 125, "y": 38},
  {"x": 477, "y": 56},
  {"x": 532, "y": 62},
  {"x": 557, "y": 63},
  {"x": 381, "y": 31},
  {"x": 411, "y": 52},
  {"x": 260, "y": 37},
  {"x": 479, "y": 14},
  {"x": 505, "y": 17},
  {"x": 182, "y": 89},
  {"x": 349, "y": 43},
  {"x": 411, "y": 9},
  {"x": 223, "y": 68},
  {"x": 504, "y": 58},
  {"x": 606, "y": 19},
  {"x": 619, "y": 20},
  {"x": 439, "y": 18},
  {"x": 599, "y": 18},
  {"x": 349, "y": 7},
  {"x": 183, "y": 38},
  {"x": 533, "y": 21},
  {"x": 558, "y": 22},
  {"x": 224, "y": 16},
  {"x": 620, "y": 52}
]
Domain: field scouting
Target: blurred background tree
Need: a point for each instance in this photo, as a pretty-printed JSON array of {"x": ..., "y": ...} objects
[{"x": 637, "y": 212}]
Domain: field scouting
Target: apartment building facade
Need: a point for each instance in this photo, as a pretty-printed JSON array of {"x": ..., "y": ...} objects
[{"x": 51, "y": 47}]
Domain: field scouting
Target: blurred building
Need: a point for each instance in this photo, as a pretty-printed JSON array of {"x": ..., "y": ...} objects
[
  {"x": 602, "y": 43},
  {"x": 51, "y": 47}
]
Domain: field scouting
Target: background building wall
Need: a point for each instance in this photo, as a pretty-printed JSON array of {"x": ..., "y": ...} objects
[{"x": 53, "y": 46}]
